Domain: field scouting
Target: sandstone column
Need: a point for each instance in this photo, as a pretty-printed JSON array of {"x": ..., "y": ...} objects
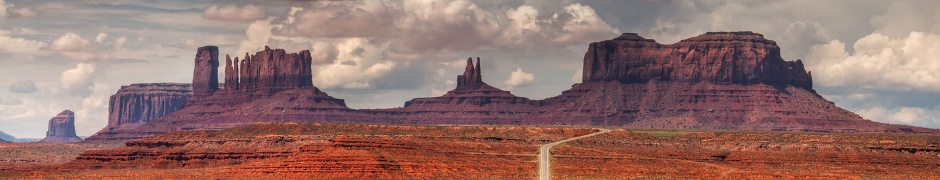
[{"x": 206, "y": 72}]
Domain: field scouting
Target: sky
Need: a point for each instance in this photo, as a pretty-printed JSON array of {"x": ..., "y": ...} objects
[{"x": 876, "y": 58}]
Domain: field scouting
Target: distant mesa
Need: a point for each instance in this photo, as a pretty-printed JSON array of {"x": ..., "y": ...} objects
[
  {"x": 62, "y": 129},
  {"x": 717, "y": 80},
  {"x": 6, "y": 137}
]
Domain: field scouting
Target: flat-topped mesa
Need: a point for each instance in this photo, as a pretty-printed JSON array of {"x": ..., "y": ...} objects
[
  {"x": 140, "y": 103},
  {"x": 742, "y": 58},
  {"x": 206, "y": 71},
  {"x": 62, "y": 128},
  {"x": 268, "y": 72}
]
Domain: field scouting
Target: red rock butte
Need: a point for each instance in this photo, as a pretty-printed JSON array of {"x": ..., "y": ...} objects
[
  {"x": 717, "y": 80},
  {"x": 62, "y": 129}
]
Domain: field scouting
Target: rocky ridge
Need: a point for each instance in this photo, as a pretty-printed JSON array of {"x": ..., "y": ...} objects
[
  {"x": 718, "y": 80},
  {"x": 62, "y": 128}
]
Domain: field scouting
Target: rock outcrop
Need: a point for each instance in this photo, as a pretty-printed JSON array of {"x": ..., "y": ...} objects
[
  {"x": 62, "y": 128},
  {"x": 206, "y": 71},
  {"x": 136, "y": 104}
]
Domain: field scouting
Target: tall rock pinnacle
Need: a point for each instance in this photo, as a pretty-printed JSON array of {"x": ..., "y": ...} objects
[
  {"x": 206, "y": 72},
  {"x": 62, "y": 128},
  {"x": 471, "y": 78}
]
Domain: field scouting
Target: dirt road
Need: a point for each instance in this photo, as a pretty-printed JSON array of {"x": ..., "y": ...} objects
[{"x": 545, "y": 157}]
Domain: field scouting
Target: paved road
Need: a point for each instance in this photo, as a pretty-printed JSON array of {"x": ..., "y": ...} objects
[{"x": 545, "y": 157}]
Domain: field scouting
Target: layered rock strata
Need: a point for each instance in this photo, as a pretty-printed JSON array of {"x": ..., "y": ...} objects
[
  {"x": 136, "y": 104},
  {"x": 62, "y": 128}
]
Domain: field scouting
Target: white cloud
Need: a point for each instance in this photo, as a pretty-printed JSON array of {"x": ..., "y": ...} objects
[
  {"x": 100, "y": 38},
  {"x": 74, "y": 47},
  {"x": 423, "y": 26},
  {"x": 120, "y": 42},
  {"x": 8, "y": 10},
  {"x": 232, "y": 12},
  {"x": 519, "y": 78},
  {"x": 584, "y": 24},
  {"x": 357, "y": 63},
  {"x": 258, "y": 34},
  {"x": 19, "y": 45},
  {"x": 78, "y": 80},
  {"x": 879, "y": 62}
]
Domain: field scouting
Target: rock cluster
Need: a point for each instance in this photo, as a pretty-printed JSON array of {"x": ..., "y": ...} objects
[
  {"x": 718, "y": 80},
  {"x": 270, "y": 85},
  {"x": 62, "y": 128},
  {"x": 268, "y": 72}
]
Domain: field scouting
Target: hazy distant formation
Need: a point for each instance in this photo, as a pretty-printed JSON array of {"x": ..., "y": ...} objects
[{"x": 717, "y": 80}]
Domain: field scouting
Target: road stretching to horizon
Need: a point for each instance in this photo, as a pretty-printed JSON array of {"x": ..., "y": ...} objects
[{"x": 545, "y": 157}]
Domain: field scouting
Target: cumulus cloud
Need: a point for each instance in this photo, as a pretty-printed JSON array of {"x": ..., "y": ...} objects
[
  {"x": 232, "y": 12},
  {"x": 257, "y": 36},
  {"x": 74, "y": 47},
  {"x": 902, "y": 115},
  {"x": 78, "y": 80},
  {"x": 19, "y": 45},
  {"x": 584, "y": 24},
  {"x": 366, "y": 65},
  {"x": 120, "y": 42},
  {"x": 9, "y": 10},
  {"x": 879, "y": 62},
  {"x": 459, "y": 25},
  {"x": 519, "y": 78},
  {"x": 26, "y": 86},
  {"x": 101, "y": 37}
]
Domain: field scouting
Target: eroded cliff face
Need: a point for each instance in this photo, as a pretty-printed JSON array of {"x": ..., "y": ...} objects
[
  {"x": 741, "y": 58},
  {"x": 62, "y": 128},
  {"x": 136, "y": 104}
]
